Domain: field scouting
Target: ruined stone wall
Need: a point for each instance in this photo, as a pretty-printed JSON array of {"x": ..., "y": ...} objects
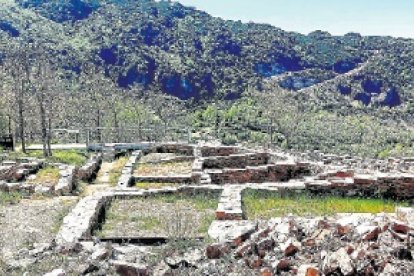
[
  {"x": 15, "y": 172},
  {"x": 179, "y": 149},
  {"x": 207, "y": 151},
  {"x": 259, "y": 174},
  {"x": 388, "y": 185},
  {"x": 89, "y": 171},
  {"x": 360, "y": 164},
  {"x": 236, "y": 160}
]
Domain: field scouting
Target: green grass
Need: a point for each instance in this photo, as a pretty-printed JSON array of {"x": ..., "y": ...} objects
[
  {"x": 265, "y": 205},
  {"x": 70, "y": 157},
  {"x": 147, "y": 222},
  {"x": 10, "y": 198}
]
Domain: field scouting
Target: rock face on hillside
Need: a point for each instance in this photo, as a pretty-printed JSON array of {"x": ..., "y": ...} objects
[{"x": 191, "y": 55}]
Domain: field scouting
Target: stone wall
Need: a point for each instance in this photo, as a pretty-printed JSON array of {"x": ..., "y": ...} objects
[
  {"x": 207, "y": 151},
  {"x": 67, "y": 180},
  {"x": 89, "y": 171},
  {"x": 389, "y": 185},
  {"x": 236, "y": 160},
  {"x": 12, "y": 171},
  {"x": 259, "y": 174},
  {"x": 362, "y": 165},
  {"x": 179, "y": 149},
  {"x": 126, "y": 177}
]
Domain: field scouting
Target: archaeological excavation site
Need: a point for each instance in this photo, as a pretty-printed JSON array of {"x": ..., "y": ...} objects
[
  {"x": 205, "y": 209},
  {"x": 206, "y": 138}
]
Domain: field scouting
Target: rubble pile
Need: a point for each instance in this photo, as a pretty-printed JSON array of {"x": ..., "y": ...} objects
[{"x": 352, "y": 244}]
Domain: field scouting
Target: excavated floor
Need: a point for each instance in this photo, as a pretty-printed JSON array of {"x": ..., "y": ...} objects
[{"x": 163, "y": 216}]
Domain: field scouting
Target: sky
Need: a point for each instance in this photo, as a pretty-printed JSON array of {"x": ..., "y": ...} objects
[{"x": 368, "y": 17}]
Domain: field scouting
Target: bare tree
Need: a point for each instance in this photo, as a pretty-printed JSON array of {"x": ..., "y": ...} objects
[{"x": 17, "y": 71}]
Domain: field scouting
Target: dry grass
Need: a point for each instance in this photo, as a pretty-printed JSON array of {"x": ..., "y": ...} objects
[
  {"x": 172, "y": 216},
  {"x": 150, "y": 185},
  {"x": 156, "y": 157},
  {"x": 116, "y": 170},
  {"x": 48, "y": 176},
  {"x": 164, "y": 169},
  {"x": 265, "y": 205}
]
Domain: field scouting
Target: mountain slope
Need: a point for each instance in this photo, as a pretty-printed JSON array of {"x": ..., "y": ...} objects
[{"x": 183, "y": 52}]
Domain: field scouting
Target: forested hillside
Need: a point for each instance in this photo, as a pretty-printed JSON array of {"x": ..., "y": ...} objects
[{"x": 136, "y": 52}]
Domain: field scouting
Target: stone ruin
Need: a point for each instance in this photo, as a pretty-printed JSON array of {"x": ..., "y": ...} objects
[{"x": 344, "y": 244}]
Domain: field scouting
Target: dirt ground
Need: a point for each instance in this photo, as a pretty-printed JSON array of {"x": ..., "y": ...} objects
[
  {"x": 31, "y": 221},
  {"x": 156, "y": 218}
]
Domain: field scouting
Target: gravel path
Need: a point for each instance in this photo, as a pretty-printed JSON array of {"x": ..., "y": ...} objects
[{"x": 104, "y": 172}]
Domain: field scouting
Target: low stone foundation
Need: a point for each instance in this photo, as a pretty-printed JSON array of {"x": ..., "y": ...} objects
[
  {"x": 67, "y": 181},
  {"x": 126, "y": 178},
  {"x": 236, "y": 160},
  {"x": 259, "y": 174},
  {"x": 11, "y": 171},
  {"x": 179, "y": 149},
  {"x": 388, "y": 185},
  {"x": 208, "y": 151},
  {"x": 89, "y": 171}
]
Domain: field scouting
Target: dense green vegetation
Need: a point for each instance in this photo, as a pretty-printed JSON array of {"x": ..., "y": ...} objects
[
  {"x": 275, "y": 119},
  {"x": 265, "y": 205}
]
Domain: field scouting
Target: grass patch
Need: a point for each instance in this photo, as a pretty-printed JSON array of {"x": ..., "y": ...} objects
[
  {"x": 116, "y": 170},
  {"x": 48, "y": 175},
  {"x": 150, "y": 185},
  {"x": 163, "y": 169},
  {"x": 147, "y": 223},
  {"x": 265, "y": 205},
  {"x": 10, "y": 198},
  {"x": 70, "y": 157},
  {"x": 172, "y": 215}
]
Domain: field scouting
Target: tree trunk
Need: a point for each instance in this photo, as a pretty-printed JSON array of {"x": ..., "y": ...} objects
[
  {"x": 116, "y": 126},
  {"x": 44, "y": 129},
  {"x": 98, "y": 126},
  {"x": 20, "y": 112},
  {"x": 49, "y": 137}
]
